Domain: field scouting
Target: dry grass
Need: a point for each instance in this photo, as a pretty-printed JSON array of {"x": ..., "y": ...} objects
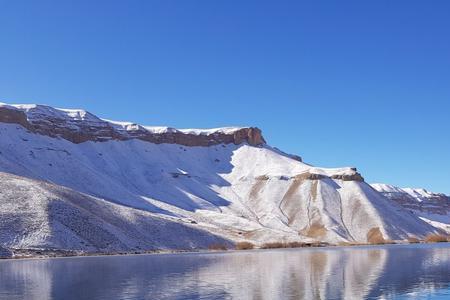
[
  {"x": 276, "y": 245},
  {"x": 244, "y": 246},
  {"x": 374, "y": 242},
  {"x": 217, "y": 247},
  {"x": 317, "y": 244},
  {"x": 380, "y": 241},
  {"x": 296, "y": 245},
  {"x": 387, "y": 242},
  {"x": 436, "y": 238},
  {"x": 413, "y": 240},
  {"x": 273, "y": 245},
  {"x": 351, "y": 244}
]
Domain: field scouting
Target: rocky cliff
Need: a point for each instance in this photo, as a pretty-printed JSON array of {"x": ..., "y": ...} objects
[{"x": 79, "y": 126}]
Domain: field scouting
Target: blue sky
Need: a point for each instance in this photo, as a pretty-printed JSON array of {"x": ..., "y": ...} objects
[{"x": 341, "y": 83}]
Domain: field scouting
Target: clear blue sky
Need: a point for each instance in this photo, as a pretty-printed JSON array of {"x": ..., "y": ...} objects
[{"x": 341, "y": 83}]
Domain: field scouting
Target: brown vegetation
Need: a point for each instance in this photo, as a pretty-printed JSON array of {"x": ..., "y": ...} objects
[
  {"x": 275, "y": 245},
  {"x": 217, "y": 247},
  {"x": 351, "y": 244},
  {"x": 436, "y": 238},
  {"x": 413, "y": 240},
  {"x": 296, "y": 245},
  {"x": 389, "y": 242},
  {"x": 244, "y": 246}
]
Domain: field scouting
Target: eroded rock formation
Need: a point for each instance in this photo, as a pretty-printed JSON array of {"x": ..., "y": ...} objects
[{"x": 80, "y": 126}]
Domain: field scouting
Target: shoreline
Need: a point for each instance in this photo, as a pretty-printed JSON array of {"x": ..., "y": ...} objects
[{"x": 204, "y": 251}]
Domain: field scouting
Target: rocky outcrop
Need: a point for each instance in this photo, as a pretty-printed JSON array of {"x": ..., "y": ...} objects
[
  {"x": 314, "y": 176},
  {"x": 346, "y": 177},
  {"x": 309, "y": 176},
  {"x": 296, "y": 157},
  {"x": 250, "y": 135},
  {"x": 79, "y": 126},
  {"x": 8, "y": 115}
]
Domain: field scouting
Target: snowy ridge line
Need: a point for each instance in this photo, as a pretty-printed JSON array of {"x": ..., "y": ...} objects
[
  {"x": 70, "y": 180},
  {"x": 420, "y": 194},
  {"x": 77, "y": 126},
  {"x": 433, "y": 208},
  {"x": 147, "y": 193}
]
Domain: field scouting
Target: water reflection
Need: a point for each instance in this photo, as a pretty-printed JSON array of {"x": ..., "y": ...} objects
[{"x": 339, "y": 273}]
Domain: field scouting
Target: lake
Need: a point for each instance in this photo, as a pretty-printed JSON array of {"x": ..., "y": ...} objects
[{"x": 379, "y": 272}]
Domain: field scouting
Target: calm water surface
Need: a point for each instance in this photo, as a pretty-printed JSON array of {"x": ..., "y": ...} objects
[{"x": 387, "y": 272}]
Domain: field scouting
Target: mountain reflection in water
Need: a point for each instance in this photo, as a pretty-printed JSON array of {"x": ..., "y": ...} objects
[{"x": 333, "y": 273}]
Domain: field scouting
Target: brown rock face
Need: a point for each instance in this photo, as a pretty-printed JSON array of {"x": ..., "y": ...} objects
[
  {"x": 250, "y": 135},
  {"x": 13, "y": 116},
  {"x": 51, "y": 122},
  {"x": 309, "y": 176},
  {"x": 353, "y": 177}
]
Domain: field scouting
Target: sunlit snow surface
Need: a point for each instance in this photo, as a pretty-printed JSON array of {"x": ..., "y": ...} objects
[
  {"x": 237, "y": 192},
  {"x": 90, "y": 195},
  {"x": 430, "y": 207}
]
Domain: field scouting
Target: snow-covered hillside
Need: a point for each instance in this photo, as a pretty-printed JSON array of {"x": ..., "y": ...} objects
[
  {"x": 223, "y": 184},
  {"x": 5, "y": 253},
  {"x": 37, "y": 214},
  {"x": 434, "y": 208}
]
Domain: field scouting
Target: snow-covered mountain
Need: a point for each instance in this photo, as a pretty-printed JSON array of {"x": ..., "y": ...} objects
[
  {"x": 71, "y": 180},
  {"x": 433, "y": 208}
]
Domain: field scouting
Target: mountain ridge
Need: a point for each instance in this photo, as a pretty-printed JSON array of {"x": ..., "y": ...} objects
[
  {"x": 80, "y": 126},
  {"x": 231, "y": 185},
  {"x": 434, "y": 208}
]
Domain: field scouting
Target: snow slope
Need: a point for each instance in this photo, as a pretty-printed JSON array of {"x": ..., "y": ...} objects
[
  {"x": 231, "y": 189},
  {"x": 37, "y": 214},
  {"x": 434, "y": 208},
  {"x": 5, "y": 253}
]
